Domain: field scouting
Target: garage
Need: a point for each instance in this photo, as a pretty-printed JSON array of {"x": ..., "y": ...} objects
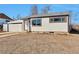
[{"x": 16, "y": 26}]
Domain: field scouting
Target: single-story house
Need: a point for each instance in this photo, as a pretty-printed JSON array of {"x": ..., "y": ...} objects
[{"x": 57, "y": 21}]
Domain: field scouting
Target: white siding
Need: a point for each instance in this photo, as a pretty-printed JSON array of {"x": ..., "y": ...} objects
[
  {"x": 26, "y": 25},
  {"x": 4, "y": 27},
  {"x": 15, "y": 28},
  {"x": 46, "y": 26}
]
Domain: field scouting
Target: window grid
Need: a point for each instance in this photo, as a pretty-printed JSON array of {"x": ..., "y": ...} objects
[
  {"x": 36, "y": 22},
  {"x": 52, "y": 20}
]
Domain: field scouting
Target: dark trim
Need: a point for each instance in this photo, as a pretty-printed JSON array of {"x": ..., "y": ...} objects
[
  {"x": 24, "y": 24},
  {"x": 57, "y": 21},
  {"x": 47, "y": 16},
  {"x": 29, "y": 25},
  {"x": 68, "y": 24},
  {"x": 7, "y": 27},
  {"x": 15, "y": 23},
  {"x": 36, "y": 25}
]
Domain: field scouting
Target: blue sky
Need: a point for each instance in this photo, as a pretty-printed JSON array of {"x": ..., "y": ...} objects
[{"x": 12, "y": 10}]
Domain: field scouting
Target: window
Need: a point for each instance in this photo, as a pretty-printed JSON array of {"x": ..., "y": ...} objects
[
  {"x": 51, "y": 20},
  {"x": 63, "y": 20},
  {"x": 36, "y": 22},
  {"x": 56, "y": 20},
  {"x": 33, "y": 22}
]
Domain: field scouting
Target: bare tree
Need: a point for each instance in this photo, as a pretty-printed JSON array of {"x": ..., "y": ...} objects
[
  {"x": 14, "y": 18},
  {"x": 18, "y": 17},
  {"x": 46, "y": 9},
  {"x": 34, "y": 10}
]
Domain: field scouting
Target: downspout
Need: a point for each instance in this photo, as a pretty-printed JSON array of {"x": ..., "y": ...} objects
[
  {"x": 69, "y": 23},
  {"x": 23, "y": 24},
  {"x": 7, "y": 27},
  {"x": 29, "y": 25}
]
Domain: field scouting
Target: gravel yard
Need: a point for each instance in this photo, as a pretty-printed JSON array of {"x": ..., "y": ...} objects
[{"x": 39, "y": 43}]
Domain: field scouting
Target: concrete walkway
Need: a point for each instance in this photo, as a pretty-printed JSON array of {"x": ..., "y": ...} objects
[{"x": 5, "y": 34}]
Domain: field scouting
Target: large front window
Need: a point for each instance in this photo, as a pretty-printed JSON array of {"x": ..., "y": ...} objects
[{"x": 36, "y": 22}]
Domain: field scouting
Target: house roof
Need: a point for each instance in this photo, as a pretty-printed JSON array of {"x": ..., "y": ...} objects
[
  {"x": 17, "y": 21},
  {"x": 3, "y": 16},
  {"x": 48, "y": 15}
]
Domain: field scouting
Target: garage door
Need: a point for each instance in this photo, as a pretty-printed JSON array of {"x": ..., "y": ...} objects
[{"x": 15, "y": 27}]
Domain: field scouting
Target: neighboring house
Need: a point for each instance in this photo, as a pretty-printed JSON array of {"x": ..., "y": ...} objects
[
  {"x": 59, "y": 22},
  {"x": 4, "y": 19}
]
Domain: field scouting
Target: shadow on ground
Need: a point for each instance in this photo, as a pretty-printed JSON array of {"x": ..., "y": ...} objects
[{"x": 74, "y": 31}]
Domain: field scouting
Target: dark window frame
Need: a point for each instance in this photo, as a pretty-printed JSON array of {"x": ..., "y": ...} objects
[
  {"x": 62, "y": 20},
  {"x": 57, "y": 20},
  {"x": 37, "y": 22}
]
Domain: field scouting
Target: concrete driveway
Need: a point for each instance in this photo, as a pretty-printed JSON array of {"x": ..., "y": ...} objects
[
  {"x": 5, "y": 34},
  {"x": 23, "y": 43}
]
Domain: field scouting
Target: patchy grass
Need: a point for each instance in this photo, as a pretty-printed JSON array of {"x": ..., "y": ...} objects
[{"x": 40, "y": 43}]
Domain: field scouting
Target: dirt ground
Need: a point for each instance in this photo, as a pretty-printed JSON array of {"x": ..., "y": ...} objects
[{"x": 38, "y": 43}]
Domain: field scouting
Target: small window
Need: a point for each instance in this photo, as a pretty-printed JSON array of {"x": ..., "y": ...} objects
[
  {"x": 57, "y": 19},
  {"x": 51, "y": 20},
  {"x": 36, "y": 22},
  {"x": 63, "y": 20}
]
